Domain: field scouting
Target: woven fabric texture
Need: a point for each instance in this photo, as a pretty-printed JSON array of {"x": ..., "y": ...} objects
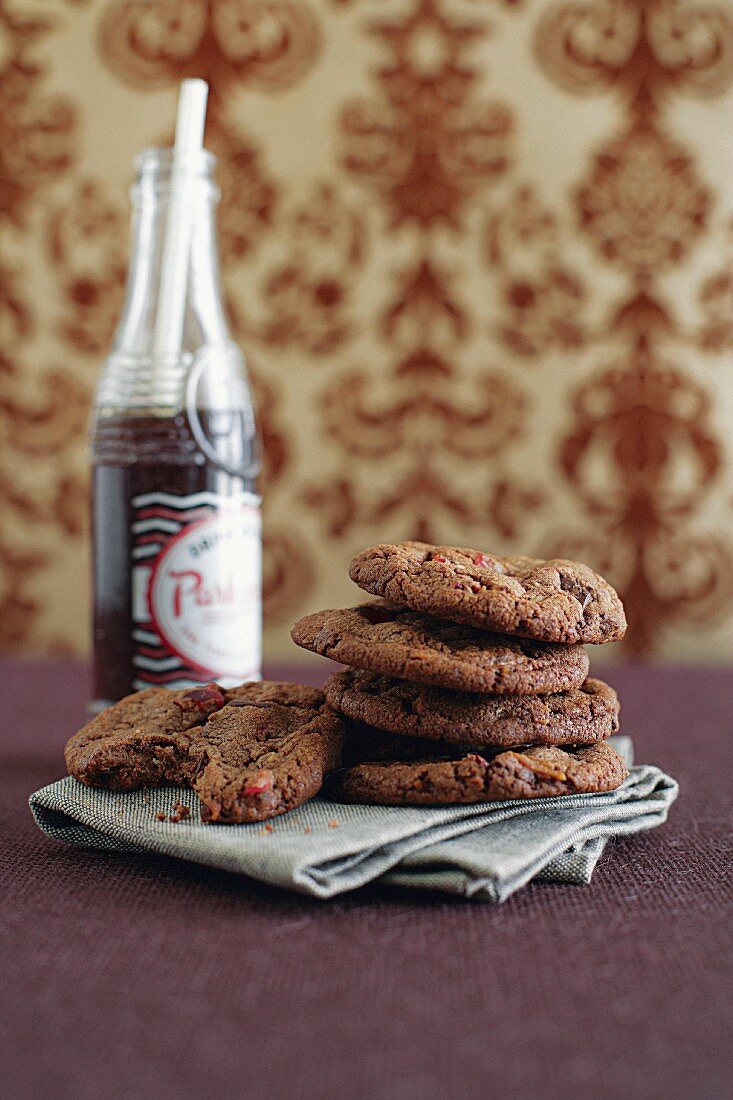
[
  {"x": 136, "y": 975},
  {"x": 485, "y": 851}
]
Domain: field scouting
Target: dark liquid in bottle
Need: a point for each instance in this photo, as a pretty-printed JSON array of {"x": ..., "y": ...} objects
[{"x": 133, "y": 456}]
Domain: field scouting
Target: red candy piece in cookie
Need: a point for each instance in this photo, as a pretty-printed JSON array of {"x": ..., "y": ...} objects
[
  {"x": 208, "y": 698},
  {"x": 261, "y": 782}
]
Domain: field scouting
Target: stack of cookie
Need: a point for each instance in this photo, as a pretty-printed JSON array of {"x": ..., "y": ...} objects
[
  {"x": 468, "y": 683},
  {"x": 468, "y": 679}
]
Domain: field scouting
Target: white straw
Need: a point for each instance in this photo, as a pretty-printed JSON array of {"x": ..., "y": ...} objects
[{"x": 177, "y": 247}]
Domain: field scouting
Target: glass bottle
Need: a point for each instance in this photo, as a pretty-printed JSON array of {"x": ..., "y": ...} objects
[{"x": 175, "y": 513}]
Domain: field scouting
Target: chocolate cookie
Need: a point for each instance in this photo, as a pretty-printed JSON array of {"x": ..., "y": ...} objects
[
  {"x": 265, "y": 753},
  {"x": 141, "y": 741},
  {"x": 534, "y": 773},
  {"x": 249, "y": 753},
  {"x": 385, "y": 638},
  {"x": 579, "y": 716},
  {"x": 553, "y": 601}
]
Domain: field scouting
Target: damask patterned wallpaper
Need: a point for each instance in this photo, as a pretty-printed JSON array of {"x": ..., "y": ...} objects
[{"x": 478, "y": 253}]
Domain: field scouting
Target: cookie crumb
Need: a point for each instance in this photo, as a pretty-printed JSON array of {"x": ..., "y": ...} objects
[
  {"x": 180, "y": 813},
  {"x": 160, "y": 816},
  {"x": 333, "y": 823},
  {"x": 307, "y": 829},
  {"x": 268, "y": 828}
]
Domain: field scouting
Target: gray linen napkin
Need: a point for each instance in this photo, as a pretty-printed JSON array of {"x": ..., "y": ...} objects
[{"x": 323, "y": 848}]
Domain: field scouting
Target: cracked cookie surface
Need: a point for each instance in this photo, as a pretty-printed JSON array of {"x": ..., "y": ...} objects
[
  {"x": 382, "y": 637},
  {"x": 249, "y": 753},
  {"x": 142, "y": 740},
  {"x": 539, "y": 772},
  {"x": 554, "y": 600},
  {"x": 259, "y": 757},
  {"x": 579, "y": 716}
]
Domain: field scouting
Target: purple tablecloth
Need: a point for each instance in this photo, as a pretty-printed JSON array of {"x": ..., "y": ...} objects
[{"x": 138, "y": 976}]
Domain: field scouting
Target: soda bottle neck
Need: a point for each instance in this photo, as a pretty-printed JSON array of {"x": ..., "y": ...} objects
[
  {"x": 193, "y": 406},
  {"x": 204, "y": 321}
]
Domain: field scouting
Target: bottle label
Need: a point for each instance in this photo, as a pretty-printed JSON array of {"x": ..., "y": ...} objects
[{"x": 196, "y": 589}]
